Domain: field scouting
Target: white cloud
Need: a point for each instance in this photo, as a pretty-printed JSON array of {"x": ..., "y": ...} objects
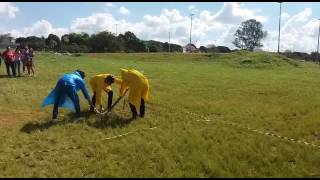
[
  {"x": 284, "y": 15},
  {"x": 109, "y": 4},
  {"x": 94, "y": 23},
  {"x": 101, "y": 22},
  {"x": 232, "y": 13},
  {"x": 191, "y": 7},
  {"x": 39, "y": 28},
  {"x": 8, "y": 9},
  {"x": 123, "y": 10},
  {"x": 299, "y": 33}
]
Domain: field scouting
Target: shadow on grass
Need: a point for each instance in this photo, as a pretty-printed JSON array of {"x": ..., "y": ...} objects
[
  {"x": 113, "y": 121},
  {"x": 40, "y": 126},
  {"x": 2, "y": 76}
]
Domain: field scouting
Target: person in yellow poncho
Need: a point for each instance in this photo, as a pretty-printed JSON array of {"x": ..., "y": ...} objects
[
  {"x": 99, "y": 83},
  {"x": 138, "y": 85}
]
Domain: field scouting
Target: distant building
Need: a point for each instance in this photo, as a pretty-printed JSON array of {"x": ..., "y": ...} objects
[
  {"x": 5, "y": 42},
  {"x": 190, "y": 48}
]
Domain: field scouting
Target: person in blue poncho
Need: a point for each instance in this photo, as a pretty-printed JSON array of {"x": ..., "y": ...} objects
[{"x": 65, "y": 94}]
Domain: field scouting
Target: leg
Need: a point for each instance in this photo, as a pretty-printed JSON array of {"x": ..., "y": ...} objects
[
  {"x": 93, "y": 101},
  {"x": 8, "y": 70},
  {"x": 18, "y": 66},
  {"x": 28, "y": 68},
  {"x": 110, "y": 95},
  {"x": 23, "y": 66},
  {"x": 32, "y": 67},
  {"x": 72, "y": 93},
  {"x": 56, "y": 106},
  {"x": 142, "y": 108},
  {"x": 133, "y": 110},
  {"x": 13, "y": 69}
]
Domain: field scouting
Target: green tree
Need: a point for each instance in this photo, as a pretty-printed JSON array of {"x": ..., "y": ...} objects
[
  {"x": 104, "y": 42},
  {"x": 132, "y": 43},
  {"x": 53, "y": 42},
  {"x": 249, "y": 35}
]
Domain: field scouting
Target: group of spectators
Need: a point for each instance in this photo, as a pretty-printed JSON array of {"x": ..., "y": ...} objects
[{"x": 14, "y": 60}]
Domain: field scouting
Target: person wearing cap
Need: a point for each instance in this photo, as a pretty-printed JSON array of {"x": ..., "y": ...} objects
[{"x": 65, "y": 94}]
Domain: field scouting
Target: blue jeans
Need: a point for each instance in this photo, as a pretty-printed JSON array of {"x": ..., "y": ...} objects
[
  {"x": 72, "y": 94},
  {"x": 17, "y": 67},
  {"x": 10, "y": 65}
]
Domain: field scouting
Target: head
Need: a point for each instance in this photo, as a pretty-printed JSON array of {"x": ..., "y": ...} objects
[
  {"x": 109, "y": 79},
  {"x": 8, "y": 47},
  {"x": 82, "y": 74}
]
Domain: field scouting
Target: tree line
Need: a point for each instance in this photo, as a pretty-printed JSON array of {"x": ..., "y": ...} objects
[
  {"x": 102, "y": 42},
  {"x": 247, "y": 37}
]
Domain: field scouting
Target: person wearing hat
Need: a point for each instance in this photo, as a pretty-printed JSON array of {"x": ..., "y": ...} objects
[{"x": 65, "y": 94}]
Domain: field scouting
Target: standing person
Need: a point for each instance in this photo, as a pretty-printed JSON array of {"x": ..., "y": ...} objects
[
  {"x": 25, "y": 57},
  {"x": 65, "y": 94},
  {"x": 8, "y": 56},
  {"x": 29, "y": 63},
  {"x": 32, "y": 54},
  {"x": 17, "y": 59},
  {"x": 99, "y": 83},
  {"x": 138, "y": 86}
]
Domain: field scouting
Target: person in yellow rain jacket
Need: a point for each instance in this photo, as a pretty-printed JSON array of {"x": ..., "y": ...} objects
[
  {"x": 138, "y": 85},
  {"x": 99, "y": 83}
]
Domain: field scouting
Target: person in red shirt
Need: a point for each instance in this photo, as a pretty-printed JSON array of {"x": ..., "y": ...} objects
[{"x": 8, "y": 56}]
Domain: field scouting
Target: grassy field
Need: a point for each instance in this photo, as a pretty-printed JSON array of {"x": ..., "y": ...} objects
[{"x": 263, "y": 91}]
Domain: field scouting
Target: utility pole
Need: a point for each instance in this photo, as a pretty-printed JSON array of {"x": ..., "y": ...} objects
[
  {"x": 191, "y": 26},
  {"x": 279, "y": 29},
  {"x": 169, "y": 41},
  {"x": 116, "y": 29},
  {"x": 318, "y": 43}
]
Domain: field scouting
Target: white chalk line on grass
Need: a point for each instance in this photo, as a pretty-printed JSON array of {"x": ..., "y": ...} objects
[
  {"x": 76, "y": 147},
  {"x": 203, "y": 118},
  {"x": 303, "y": 142}
]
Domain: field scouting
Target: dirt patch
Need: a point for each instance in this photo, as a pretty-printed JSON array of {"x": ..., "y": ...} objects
[{"x": 16, "y": 117}]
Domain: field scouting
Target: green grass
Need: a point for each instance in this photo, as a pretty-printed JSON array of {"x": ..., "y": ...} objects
[{"x": 262, "y": 91}]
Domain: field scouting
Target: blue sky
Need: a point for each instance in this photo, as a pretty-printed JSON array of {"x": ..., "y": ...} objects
[{"x": 214, "y": 22}]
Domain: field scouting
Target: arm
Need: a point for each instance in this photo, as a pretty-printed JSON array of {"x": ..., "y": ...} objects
[
  {"x": 124, "y": 86},
  {"x": 82, "y": 85}
]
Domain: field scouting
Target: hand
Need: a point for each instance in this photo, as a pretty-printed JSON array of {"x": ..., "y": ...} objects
[{"x": 90, "y": 103}]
